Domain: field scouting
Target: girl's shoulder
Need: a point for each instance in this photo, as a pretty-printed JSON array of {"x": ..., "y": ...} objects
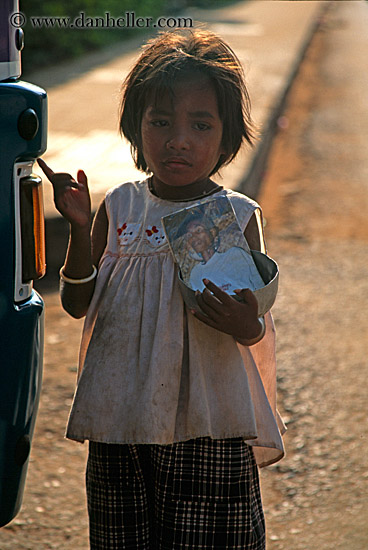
[
  {"x": 127, "y": 196},
  {"x": 244, "y": 207},
  {"x": 126, "y": 188},
  {"x": 241, "y": 200}
]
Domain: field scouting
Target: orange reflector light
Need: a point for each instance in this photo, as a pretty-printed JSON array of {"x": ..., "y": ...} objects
[{"x": 32, "y": 228}]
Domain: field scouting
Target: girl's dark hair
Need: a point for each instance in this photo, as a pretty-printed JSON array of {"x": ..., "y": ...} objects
[{"x": 171, "y": 56}]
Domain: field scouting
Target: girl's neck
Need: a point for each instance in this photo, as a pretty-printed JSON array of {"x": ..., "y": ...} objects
[{"x": 189, "y": 192}]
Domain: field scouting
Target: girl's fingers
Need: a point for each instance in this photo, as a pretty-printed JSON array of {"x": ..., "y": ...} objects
[
  {"x": 247, "y": 295},
  {"x": 45, "y": 169},
  {"x": 216, "y": 291},
  {"x": 63, "y": 179},
  {"x": 82, "y": 178},
  {"x": 207, "y": 320},
  {"x": 249, "y": 298},
  {"x": 209, "y": 303}
]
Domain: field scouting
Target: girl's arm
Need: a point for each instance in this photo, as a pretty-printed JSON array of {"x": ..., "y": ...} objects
[
  {"x": 72, "y": 200},
  {"x": 252, "y": 235},
  {"x": 224, "y": 313},
  {"x": 84, "y": 252}
]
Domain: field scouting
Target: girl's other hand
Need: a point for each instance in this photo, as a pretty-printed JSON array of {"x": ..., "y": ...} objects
[
  {"x": 71, "y": 197},
  {"x": 224, "y": 313}
]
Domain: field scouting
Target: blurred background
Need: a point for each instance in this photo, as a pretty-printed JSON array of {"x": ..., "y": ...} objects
[{"x": 47, "y": 46}]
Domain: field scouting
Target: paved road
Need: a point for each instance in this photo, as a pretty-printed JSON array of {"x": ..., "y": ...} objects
[{"x": 316, "y": 202}]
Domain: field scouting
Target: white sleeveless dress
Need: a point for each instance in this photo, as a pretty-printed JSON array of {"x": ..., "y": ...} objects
[{"x": 150, "y": 372}]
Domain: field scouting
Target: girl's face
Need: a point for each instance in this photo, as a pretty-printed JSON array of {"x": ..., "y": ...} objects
[{"x": 181, "y": 135}]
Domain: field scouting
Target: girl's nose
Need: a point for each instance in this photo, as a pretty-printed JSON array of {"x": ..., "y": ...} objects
[{"x": 179, "y": 141}]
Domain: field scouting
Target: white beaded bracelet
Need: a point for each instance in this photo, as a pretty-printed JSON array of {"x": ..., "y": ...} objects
[{"x": 78, "y": 281}]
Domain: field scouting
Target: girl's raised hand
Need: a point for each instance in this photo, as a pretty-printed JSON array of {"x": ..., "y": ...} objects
[
  {"x": 71, "y": 197},
  {"x": 224, "y": 313}
]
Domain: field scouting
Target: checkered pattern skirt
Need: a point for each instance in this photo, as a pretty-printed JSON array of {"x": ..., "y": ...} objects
[{"x": 201, "y": 494}]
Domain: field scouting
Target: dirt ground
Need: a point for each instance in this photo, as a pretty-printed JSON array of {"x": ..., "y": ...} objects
[{"x": 315, "y": 200}]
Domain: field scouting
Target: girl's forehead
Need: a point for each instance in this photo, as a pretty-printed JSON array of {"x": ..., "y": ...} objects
[{"x": 194, "y": 90}]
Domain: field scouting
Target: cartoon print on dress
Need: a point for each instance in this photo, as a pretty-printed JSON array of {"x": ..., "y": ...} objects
[
  {"x": 128, "y": 232},
  {"x": 155, "y": 235}
]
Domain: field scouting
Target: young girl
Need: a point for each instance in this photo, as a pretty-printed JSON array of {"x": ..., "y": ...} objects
[{"x": 177, "y": 406}]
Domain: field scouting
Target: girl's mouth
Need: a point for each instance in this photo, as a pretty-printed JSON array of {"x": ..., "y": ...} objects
[{"x": 176, "y": 162}]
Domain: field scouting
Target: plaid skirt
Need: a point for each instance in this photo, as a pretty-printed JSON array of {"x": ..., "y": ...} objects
[{"x": 201, "y": 494}]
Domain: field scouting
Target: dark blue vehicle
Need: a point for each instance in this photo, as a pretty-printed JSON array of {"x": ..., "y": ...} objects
[{"x": 23, "y": 122}]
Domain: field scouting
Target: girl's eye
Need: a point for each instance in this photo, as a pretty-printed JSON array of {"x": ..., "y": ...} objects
[
  {"x": 159, "y": 123},
  {"x": 201, "y": 126}
]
